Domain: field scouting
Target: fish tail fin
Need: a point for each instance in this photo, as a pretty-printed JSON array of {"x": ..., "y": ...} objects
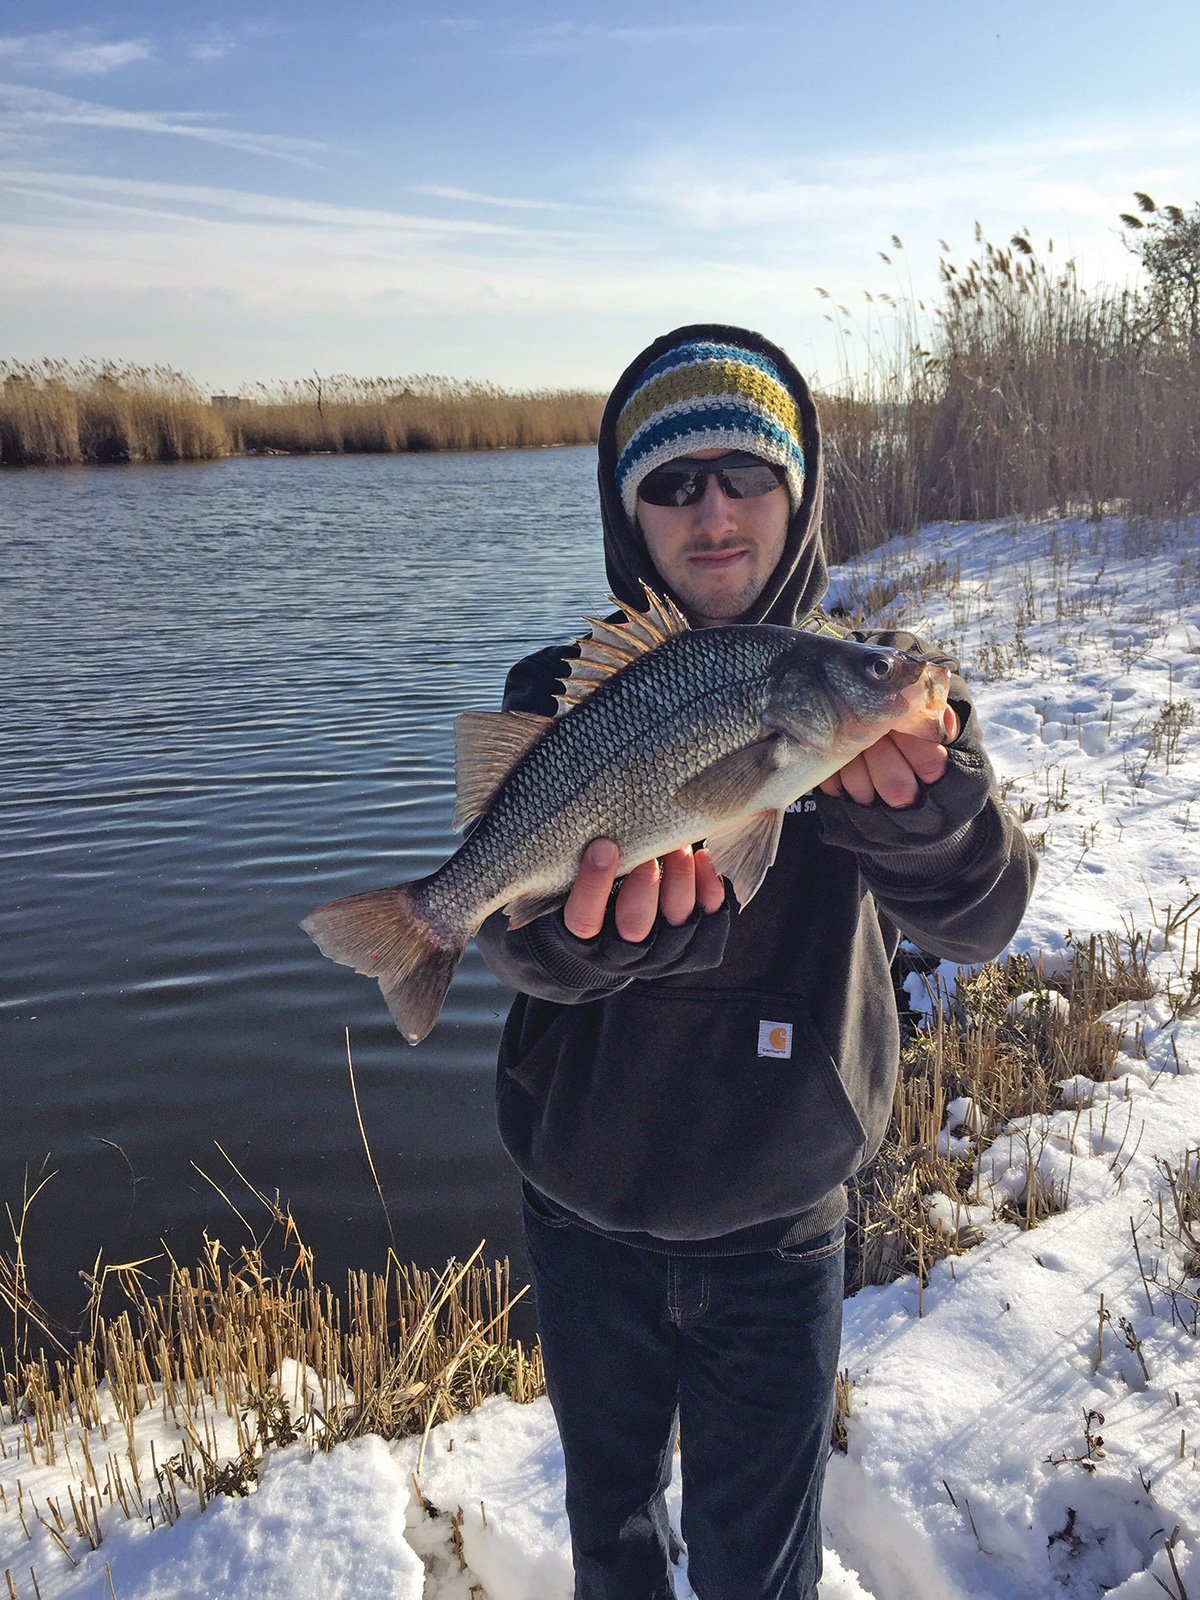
[{"x": 386, "y": 934}]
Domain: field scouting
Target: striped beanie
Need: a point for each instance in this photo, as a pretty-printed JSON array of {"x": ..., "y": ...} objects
[{"x": 703, "y": 395}]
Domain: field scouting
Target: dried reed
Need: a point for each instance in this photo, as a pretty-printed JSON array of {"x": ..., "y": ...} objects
[
  {"x": 204, "y": 1355},
  {"x": 57, "y": 412},
  {"x": 1004, "y": 1063},
  {"x": 1022, "y": 392}
]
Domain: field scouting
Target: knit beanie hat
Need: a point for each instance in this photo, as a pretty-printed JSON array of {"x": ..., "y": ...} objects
[{"x": 705, "y": 395}]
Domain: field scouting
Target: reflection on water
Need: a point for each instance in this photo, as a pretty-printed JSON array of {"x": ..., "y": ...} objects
[{"x": 227, "y": 693}]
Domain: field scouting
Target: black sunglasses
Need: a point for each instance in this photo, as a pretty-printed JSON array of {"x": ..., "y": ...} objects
[{"x": 683, "y": 482}]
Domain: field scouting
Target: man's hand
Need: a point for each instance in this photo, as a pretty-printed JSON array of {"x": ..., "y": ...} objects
[
  {"x": 683, "y": 880},
  {"x": 894, "y": 768}
]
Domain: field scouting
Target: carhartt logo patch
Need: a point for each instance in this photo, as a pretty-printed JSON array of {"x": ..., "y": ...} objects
[{"x": 775, "y": 1039}]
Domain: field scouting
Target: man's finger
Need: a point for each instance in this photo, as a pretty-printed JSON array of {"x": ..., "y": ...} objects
[
  {"x": 588, "y": 899},
  {"x": 929, "y": 761},
  {"x": 677, "y": 894},
  {"x": 855, "y": 781},
  {"x": 892, "y": 778},
  {"x": 710, "y": 886},
  {"x": 637, "y": 902}
]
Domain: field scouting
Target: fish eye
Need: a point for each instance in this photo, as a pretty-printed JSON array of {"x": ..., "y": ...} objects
[{"x": 881, "y": 666}]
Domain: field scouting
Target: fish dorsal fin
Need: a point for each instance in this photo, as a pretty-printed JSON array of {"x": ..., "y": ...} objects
[
  {"x": 612, "y": 646},
  {"x": 487, "y": 746}
]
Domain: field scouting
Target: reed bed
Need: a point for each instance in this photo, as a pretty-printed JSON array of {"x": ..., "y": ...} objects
[
  {"x": 345, "y": 415},
  {"x": 58, "y": 413},
  {"x": 1022, "y": 392}
]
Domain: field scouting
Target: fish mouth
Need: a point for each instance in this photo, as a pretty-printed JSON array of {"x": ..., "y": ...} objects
[{"x": 924, "y": 699}]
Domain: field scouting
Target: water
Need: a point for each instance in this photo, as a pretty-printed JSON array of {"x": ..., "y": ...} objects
[{"x": 227, "y": 693}]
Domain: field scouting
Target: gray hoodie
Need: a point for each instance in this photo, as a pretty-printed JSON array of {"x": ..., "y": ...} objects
[{"x": 710, "y": 1089}]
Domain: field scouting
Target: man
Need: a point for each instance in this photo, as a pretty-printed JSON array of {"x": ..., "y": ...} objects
[{"x": 685, "y": 1089}]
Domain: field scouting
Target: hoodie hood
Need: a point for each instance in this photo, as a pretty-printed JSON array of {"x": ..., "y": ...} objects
[{"x": 798, "y": 584}]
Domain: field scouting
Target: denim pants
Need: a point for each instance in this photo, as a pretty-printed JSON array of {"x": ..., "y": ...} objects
[{"x": 740, "y": 1354}]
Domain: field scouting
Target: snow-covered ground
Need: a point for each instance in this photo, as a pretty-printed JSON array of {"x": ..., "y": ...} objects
[{"x": 1012, "y": 1435}]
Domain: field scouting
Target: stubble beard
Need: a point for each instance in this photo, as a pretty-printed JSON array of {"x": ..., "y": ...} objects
[{"x": 725, "y": 605}]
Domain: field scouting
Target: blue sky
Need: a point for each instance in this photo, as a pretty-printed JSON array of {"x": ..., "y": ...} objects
[{"x": 508, "y": 193}]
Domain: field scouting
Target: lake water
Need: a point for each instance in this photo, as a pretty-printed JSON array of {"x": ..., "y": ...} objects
[{"x": 227, "y": 693}]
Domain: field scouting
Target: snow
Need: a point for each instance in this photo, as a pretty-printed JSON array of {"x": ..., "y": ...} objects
[
  {"x": 977, "y": 1462},
  {"x": 330, "y": 1525}
]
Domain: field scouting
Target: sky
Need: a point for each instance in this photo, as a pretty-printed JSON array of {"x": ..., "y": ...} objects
[{"x": 526, "y": 195}]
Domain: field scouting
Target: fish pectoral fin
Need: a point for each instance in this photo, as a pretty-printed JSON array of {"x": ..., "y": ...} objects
[
  {"x": 732, "y": 784},
  {"x": 527, "y": 907},
  {"x": 487, "y": 746},
  {"x": 743, "y": 852}
]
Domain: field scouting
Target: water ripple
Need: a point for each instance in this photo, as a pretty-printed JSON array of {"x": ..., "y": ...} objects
[{"x": 228, "y": 693}]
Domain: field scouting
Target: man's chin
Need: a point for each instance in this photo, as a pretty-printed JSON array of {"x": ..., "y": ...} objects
[{"x": 719, "y": 606}]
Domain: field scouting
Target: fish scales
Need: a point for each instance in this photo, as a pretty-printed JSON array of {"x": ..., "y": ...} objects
[{"x": 600, "y": 771}]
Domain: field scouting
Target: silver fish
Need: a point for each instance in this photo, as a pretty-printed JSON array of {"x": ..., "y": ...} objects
[{"x": 664, "y": 736}]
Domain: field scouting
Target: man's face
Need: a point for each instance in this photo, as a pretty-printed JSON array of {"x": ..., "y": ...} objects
[{"x": 718, "y": 554}]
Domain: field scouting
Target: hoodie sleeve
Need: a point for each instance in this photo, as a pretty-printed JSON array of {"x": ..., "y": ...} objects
[
  {"x": 544, "y": 958},
  {"x": 954, "y": 871}
]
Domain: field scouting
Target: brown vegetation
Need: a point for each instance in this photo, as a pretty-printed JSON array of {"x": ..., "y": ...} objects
[
  {"x": 1009, "y": 1060},
  {"x": 55, "y": 413},
  {"x": 58, "y": 413},
  {"x": 1023, "y": 392},
  {"x": 207, "y": 1359}
]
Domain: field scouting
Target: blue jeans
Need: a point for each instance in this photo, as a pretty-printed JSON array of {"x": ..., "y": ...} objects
[{"x": 740, "y": 1353}]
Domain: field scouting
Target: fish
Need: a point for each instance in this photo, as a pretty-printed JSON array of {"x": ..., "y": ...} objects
[{"x": 663, "y": 736}]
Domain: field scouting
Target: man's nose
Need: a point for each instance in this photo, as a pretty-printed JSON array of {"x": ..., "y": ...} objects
[{"x": 716, "y": 509}]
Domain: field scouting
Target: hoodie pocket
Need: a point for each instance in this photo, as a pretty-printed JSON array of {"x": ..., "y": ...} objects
[{"x": 681, "y": 1112}]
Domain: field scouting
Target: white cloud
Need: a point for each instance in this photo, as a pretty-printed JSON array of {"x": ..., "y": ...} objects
[
  {"x": 437, "y": 191},
  {"x": 320, "y": 272},
  {"x": 203, "y": 199},
  {"x": 73, "y": 53},
  {"x": 23, "y": 108},
  {"x": 213, "y": 45},
  {"x": 841, "y": 208}
]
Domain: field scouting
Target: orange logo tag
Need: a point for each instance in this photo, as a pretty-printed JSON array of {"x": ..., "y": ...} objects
[{"x": 775, "y": 1039}]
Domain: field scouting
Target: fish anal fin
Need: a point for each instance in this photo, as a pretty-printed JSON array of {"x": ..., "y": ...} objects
[
  {"x": 527, "y": 907},
  {"x": 610, "y": 647},
  {"x": 743, "y": 852},
  {"x": 487, "y": 746},
  {"x": 731, "y": 785}
]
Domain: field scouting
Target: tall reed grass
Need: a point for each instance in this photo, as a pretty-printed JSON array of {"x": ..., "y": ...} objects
[
  {"x": 57, "y": 413},
  {"x": 346, "y": 414},
  {"x": 1022, "y": 393}
]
